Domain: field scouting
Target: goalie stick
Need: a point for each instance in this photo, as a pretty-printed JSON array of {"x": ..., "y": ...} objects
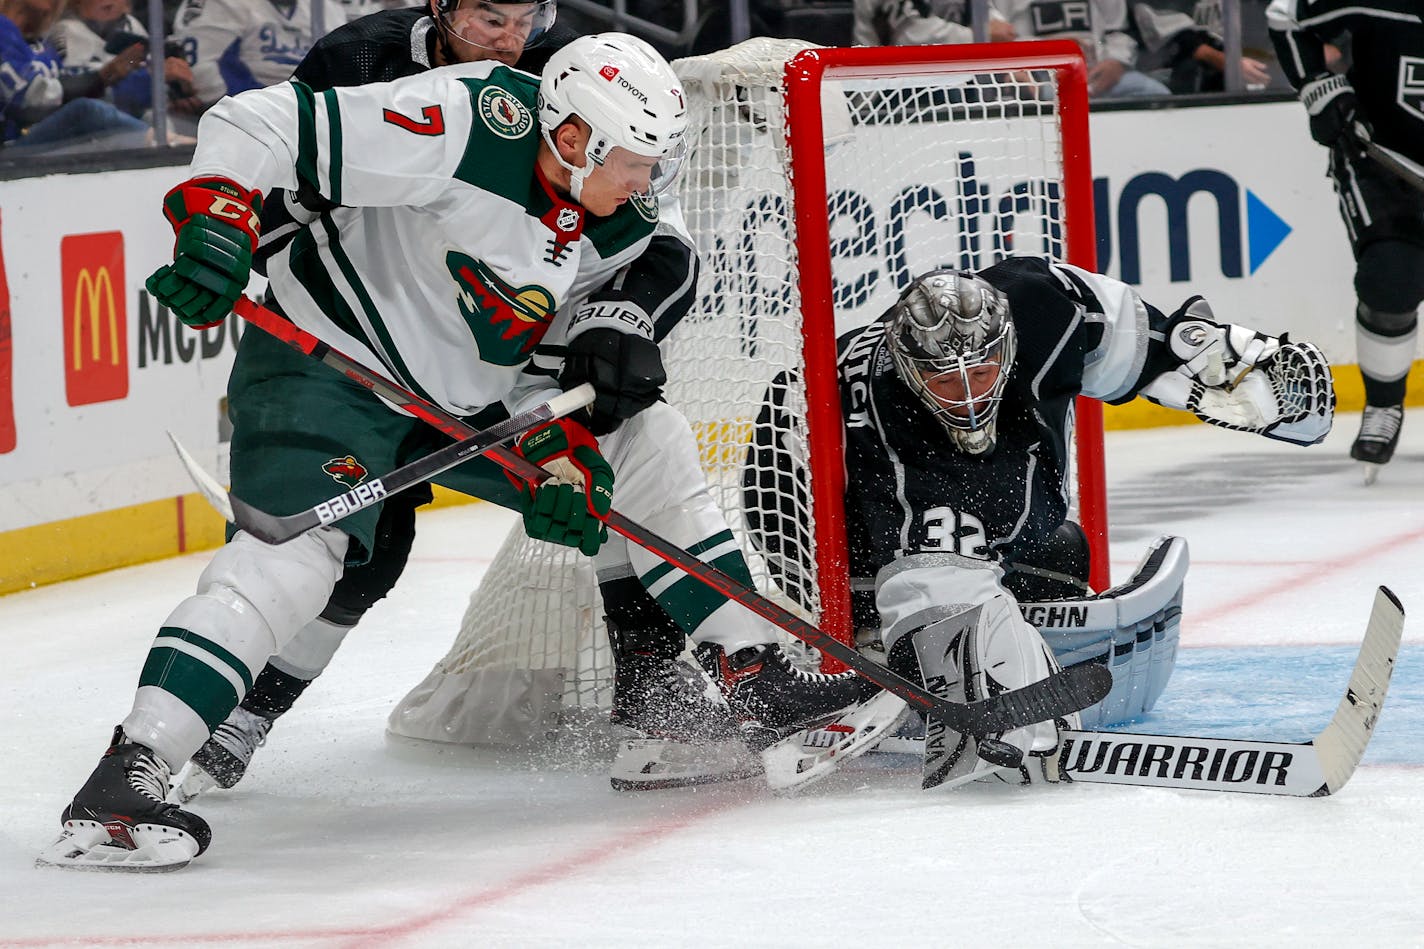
[
  {"x": 278, "y": 529},
  {"x": 1314, "y": 768},
  {"x": 1055, "y": 696}
]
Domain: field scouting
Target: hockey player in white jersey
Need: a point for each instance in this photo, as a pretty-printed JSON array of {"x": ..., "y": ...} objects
[
  {"x": 235, "y": 45},
  {"x": 475, "y": 209}
]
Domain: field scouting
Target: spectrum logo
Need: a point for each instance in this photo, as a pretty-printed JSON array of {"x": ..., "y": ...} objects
[
  {"x": 96, "y": 331},
  {"x": 1239, "y": 248}
]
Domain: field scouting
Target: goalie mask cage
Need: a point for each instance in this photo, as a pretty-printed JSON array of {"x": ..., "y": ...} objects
[{"x": 819, "y": 181}]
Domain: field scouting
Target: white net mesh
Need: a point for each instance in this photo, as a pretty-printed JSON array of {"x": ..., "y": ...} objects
[{"x": 924, "y": 169}]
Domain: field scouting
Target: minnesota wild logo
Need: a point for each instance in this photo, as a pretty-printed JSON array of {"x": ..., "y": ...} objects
[
  {"x": 347, "y": 470},
  {"x": 507, "y": 323},
  {"x": 646, "y": 205}
]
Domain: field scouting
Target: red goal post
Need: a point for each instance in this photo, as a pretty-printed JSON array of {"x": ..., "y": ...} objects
[{"x": 806, "y": 75}]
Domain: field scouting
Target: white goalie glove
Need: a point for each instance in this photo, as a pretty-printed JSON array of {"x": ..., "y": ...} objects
[{"x": 1237, "y": 378}]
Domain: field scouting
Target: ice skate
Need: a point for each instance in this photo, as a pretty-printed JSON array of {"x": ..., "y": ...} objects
[
  {"x": 224, "y": 757},
  {"x": 773, "y": 697},
  {"x": 1379, "y": 434},
  {"x": 683, "y": 731},
  {"x": 120, "y": 821}
]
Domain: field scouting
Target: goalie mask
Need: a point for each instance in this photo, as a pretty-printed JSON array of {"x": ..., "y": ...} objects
[
  {"x": 627, "y": 94},
  {"x": 952, "y": 340},
  {"x": 505, "y": 28}
]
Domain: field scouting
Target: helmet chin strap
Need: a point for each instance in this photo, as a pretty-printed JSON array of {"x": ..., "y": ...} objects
[{"x": 576, "y": 174}]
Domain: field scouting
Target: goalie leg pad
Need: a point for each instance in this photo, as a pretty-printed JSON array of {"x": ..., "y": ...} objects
[
  {"x": 982, "y": 651},
  {"x": 1132, "y": 628}
]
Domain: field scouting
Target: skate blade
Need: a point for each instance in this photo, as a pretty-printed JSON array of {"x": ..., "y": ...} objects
[
  {"x": 1372, "y": 472},
  {"x": 655, "y": 764},
  {"x": 808, "y": 756},
  {"x": 192, "y": 782},
  {"x": 136, "y": 848}
]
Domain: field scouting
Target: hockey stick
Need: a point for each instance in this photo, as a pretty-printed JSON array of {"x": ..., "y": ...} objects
[
  {"x": 1393, "y": 165},
  {"x": 1057, "y": 695},
  {"x": 1312, "y": 768},
  {"x": 274, "y": 529}
]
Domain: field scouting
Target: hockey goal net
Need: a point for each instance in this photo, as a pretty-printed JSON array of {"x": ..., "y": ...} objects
[{"x": 819, "y": 181}]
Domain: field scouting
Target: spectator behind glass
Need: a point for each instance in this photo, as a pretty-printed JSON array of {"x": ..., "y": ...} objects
[
  {"x": 922, "y": 22},
  {"x": 93, "y": 33},
  {"x": 43, "y": 106},
  {"x": 1101, "y": 28},
  {"x": 1184, "y": 47},
  {"x": 235, "y": 45}
]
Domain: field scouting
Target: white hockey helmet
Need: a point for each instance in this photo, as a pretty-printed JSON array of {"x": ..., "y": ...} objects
[
  {"x": 947, "y": 334},
  {"x": 628, "y": 95}
]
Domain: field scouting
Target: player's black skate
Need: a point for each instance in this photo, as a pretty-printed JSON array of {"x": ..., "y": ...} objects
[
  {"x": 120, "y": 821},
  {"x": 773, "y": 697},
  {"x": 224, "y": 757},
  {"x": 1379, "y": 434},
  {"x": 685, "y": 733}
]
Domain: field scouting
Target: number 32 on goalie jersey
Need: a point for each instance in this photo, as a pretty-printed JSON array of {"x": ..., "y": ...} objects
[{"x": 948, "y": 530}]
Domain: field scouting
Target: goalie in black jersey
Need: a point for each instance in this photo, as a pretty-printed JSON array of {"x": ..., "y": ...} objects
[
  {"x": 957, "y": 406},
  {"x": 1377, "y": 104}
]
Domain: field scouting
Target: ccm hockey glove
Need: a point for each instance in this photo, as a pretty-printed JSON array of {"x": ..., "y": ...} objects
[
  {"x": 568, "y": 508},
  {"x": 215, "y": 221}
]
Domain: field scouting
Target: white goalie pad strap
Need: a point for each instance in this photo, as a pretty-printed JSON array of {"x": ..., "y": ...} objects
[{"x": 1133, "y": 628}]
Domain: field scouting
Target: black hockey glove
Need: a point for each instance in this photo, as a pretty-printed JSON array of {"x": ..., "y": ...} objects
[
  {"x": 625, "y": 369},
  {"x": 1334, "y": 112}
]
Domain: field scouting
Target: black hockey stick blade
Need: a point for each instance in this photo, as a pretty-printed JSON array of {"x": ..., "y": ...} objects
[
  {"x": 275, "y": 529},
  {"x": 1062, "y": 693},
  {"x": 1314, "y": 768}
]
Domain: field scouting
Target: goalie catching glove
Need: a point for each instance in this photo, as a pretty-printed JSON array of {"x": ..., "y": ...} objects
[
  {"x": 569, "y": 507},
  {"x": 216, "y": 224},
  {"x": 1240, "y": 379}
]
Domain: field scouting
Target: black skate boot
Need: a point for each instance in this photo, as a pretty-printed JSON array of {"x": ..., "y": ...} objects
[
  {"x": 120, "y": 821},
  {"x": 684, "y": 735},
  {"x": 224, "y": 757},
  {"x": 773, "y": 697},
  {"x": 1379, "y": 434},
  {"x": 660, "y": 696}
]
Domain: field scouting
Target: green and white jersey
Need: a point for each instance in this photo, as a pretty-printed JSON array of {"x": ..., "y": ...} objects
[{"x": 450, "y": 257}]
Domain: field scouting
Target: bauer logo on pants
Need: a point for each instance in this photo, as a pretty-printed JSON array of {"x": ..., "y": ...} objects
[{"x": 96, "y": 331}]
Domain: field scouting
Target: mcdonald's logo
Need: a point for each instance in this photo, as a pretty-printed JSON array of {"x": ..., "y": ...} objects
[{"x": 96, "y": 331}]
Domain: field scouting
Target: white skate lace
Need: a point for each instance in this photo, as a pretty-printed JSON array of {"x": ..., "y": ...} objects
[
  {"x": 1381, "y": 423},
  {"x": 806, "y": 675},
  {"x": 148, "y": 775},
  {"x": 242, "y": 733}
]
